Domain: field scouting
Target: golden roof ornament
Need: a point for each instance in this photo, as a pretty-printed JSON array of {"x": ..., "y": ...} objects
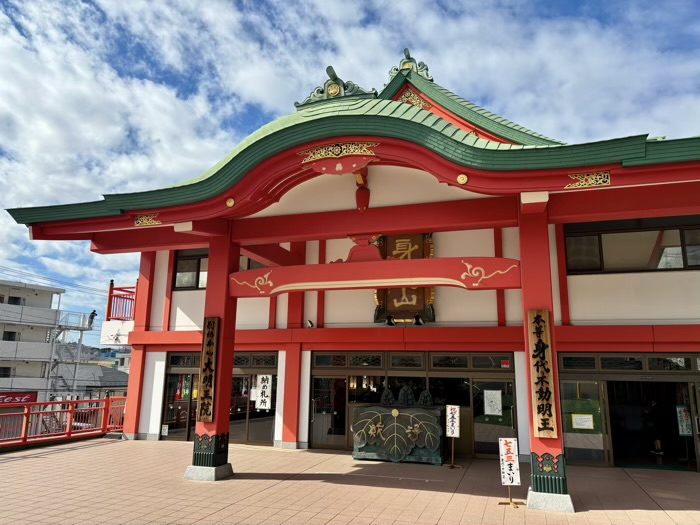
[{"x": 335, "y": 88}]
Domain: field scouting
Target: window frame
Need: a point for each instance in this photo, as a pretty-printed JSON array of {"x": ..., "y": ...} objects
[
  {"x": 599, "y": 229},
  {"x": 183, "y": 255}
]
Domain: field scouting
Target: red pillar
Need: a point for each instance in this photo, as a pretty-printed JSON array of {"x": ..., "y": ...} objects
[
  {"x": 210, "y": 459},
  {"x": 142, "y": 316},
  {"x": 292, "y": 383},
  {"x": 537, "y": 295},
  {"x": 295, "y": 301}
]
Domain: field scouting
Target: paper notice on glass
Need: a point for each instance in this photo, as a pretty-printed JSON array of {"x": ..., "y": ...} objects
[
  {"x": 493, "y": 403},
  {"x": 685, "y": 427},
  {"x": 582, "y": 421}
]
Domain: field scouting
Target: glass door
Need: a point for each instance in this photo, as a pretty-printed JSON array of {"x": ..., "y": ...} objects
[
  {"x": 695, "y": 416},
  {"x": 328, "y": 412},
  {"x": 584, "y": 422},
  {"x": 494, "y": 414},
  {"x": 238, "y": 415},
  {"x": 247, "y": 423},
  {"x": 177, "y": 412}
]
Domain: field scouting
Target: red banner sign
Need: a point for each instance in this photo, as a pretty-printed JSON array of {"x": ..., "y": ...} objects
[{"x": 18, "y": 397}]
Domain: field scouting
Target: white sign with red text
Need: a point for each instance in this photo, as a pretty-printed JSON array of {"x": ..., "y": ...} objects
[
  {"x": 510, "y": 468},
  {"x": 452, "y": 421}
]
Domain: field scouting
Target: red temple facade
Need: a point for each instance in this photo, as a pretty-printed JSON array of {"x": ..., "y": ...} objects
[{"x": 408, "y": 247}]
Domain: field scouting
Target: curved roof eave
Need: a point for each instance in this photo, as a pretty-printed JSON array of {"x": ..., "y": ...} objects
[{"x": 354, "y": 117}]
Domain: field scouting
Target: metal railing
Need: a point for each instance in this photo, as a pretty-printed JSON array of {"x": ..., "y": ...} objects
[
  {"x": 30, "y": 423},
  {"x": 120, "y": 304}
]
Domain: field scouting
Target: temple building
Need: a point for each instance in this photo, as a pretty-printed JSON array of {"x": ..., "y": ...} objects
[{"x": 411, "y": 250}]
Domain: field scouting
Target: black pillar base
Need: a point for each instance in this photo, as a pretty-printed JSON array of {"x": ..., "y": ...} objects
[
  {"x": 210, "y": 451},
  {"x": 548, "y": 473}
]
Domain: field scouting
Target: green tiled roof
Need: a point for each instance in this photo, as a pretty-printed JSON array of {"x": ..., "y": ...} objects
[
  {"x": 375, "y": 118},
  {"x": 468, "y": 111}
]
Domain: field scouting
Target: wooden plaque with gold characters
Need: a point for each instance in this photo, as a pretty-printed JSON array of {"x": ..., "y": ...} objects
[
  {"x": 403, "y": 304},
  {"x": 544, "y": 412}
]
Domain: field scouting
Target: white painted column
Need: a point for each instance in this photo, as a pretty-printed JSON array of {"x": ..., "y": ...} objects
[
  {"x": 279, "y": 401},
  {"x": 522, "y": 396},
  {"x": 304, "y": 399},
  {"x": 152, "y": 395}
]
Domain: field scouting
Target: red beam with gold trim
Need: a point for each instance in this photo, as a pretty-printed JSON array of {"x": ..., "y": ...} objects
[{"x": 478, "y": 273}]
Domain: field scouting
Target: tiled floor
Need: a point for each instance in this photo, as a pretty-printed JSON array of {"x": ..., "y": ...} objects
[{"x": 139, "y": 482}]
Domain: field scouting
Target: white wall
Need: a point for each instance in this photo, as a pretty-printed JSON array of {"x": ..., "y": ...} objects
[
  {"x": 513, "y": 298},
  {"x": 26, "y": 334},
  {"x": 152, "y": 396},
  {"x": 635, "y": 298},
  {"x": 279, "y": 398},
  {"x": 187, "y": 310},
  {"x": 253, "y": 313},
  {"x": 160, "y": 285},
  {"x": 281, "y": 312},
  {"x": 389, "y": 186},
  {"x": 32, "y": 297},
  {"x": 456, "y": 306}
]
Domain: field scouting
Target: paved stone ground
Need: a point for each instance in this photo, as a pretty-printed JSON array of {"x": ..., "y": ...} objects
[{"x": 139, "y": 482}]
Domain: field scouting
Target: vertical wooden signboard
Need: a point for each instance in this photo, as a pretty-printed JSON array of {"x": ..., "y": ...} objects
[
  {"x": 544, "y": 413},
  {"x": 207, "y": 370}
]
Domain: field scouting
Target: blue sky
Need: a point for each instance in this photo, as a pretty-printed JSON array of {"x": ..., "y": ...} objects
[{"x": 108, "y": 96}]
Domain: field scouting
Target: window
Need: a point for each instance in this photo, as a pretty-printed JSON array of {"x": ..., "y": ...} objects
[
  {"x": 5, "y": 371},
  {"x": 191, "y": 269},
  {"x": 19, "y": 301},
  {"x": 633, "y": 246},
  {"x": 10, "y": 336}
]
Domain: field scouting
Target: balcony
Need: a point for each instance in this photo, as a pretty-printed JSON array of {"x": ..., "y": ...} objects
[
  {"x": 25, "y": 351},
  {"x": 28, "y": 315}
]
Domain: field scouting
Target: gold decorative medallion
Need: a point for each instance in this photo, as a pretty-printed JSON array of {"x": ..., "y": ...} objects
[
  {"x": 148, "y": 219},
  {"x": 462, "y": 179},
  {"x": 411, "y": 97},
  {"x": 589, "y": 180},
  {"x": 333, "y": 90},
  {"x": 334, "y": 151},
  {"x": 230, "y": 203}
]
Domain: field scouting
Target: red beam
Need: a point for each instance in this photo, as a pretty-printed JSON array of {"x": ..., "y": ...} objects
[
  {"x": 146, "y": 239},
  {"x": 475, "y": 273},
  {"x": 416, "y": 218},
  {"x": 665, "y": 200}
]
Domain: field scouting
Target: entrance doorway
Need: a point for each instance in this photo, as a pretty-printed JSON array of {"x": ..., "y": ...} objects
[
  {"x": 644, "y": 424},
  {"x": 247, "y": 423},
  {"x": 179, "y": 407},
  {"x": 328, "y": 412},
  {"x": 482, "y": 385}
]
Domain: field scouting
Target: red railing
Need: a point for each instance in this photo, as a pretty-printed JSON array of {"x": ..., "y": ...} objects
[
  {"x": 29, "y": 423},
  {"x": 120, "y": 304}
]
